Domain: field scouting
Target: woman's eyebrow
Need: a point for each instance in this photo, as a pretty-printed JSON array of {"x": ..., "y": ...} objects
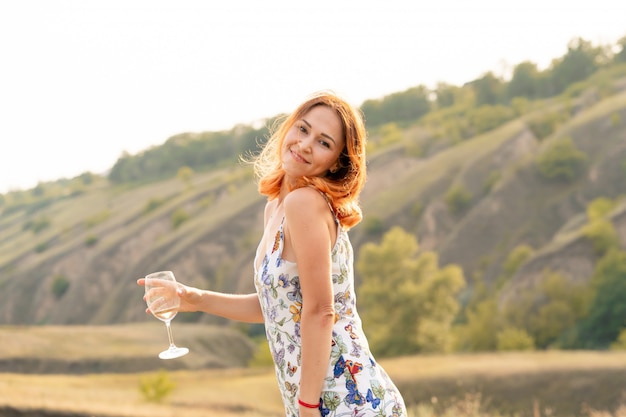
[{"x": 322, "y": 134}]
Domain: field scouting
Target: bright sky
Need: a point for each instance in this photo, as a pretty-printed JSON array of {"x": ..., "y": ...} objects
[{"x": 82, "y": 81}]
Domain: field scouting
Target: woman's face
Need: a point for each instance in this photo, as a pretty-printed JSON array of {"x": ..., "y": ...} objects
[{"x": 313, "y": 144}]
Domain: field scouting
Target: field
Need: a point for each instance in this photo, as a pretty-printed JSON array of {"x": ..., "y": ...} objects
[{"x": 533, "y": 384}]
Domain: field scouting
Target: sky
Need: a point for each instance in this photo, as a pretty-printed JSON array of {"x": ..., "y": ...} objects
[{"x": 82, "y": 81}]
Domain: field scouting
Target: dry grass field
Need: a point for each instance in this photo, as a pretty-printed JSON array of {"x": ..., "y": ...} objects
[
  {"x": 533, "y": 384},
  {"x": 515, "y": 384},
  {"x": 235, "y": 392}
]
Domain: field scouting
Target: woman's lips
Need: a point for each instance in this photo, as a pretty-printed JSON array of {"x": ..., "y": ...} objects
[{"x": 297, "y": 157}]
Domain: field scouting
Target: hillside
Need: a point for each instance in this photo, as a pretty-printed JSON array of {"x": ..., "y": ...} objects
[
  {"x": 80, "y": 265},
  {"x": 130, "y": 348}
]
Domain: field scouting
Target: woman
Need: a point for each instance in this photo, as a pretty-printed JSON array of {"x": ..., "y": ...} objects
[{"x": 312, "y": 170}]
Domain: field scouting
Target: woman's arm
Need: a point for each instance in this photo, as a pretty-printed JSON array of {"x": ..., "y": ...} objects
[
  {"x": 240, "y": 307},
  {"x": 310, "y": 232}
]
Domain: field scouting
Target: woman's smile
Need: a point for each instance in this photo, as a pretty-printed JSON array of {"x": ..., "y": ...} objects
[{"x": 298, "y": 157}]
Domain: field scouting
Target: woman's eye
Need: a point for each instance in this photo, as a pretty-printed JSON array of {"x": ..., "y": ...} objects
[
  {"x": 302, "y": 129},
  {"x": 325, "y": 144}
]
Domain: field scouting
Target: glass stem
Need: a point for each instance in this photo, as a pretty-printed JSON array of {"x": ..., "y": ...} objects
[{"x": 169, "y": 334}]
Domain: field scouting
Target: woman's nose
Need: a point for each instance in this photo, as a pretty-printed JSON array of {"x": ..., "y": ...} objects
[{"x": 305, "y": 143}]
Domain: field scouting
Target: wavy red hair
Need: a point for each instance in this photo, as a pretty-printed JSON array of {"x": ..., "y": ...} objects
[{"x": 341, "y": 188}]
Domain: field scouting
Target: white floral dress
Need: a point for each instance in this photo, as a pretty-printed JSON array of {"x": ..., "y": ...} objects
[{"x": 355, "y": 385}]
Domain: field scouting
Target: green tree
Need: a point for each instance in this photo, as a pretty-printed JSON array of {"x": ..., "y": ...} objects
[
  {"x": 577, "y": 64},
  {"x": 607, "y": 312},
  {"x": 524, "y": 82},
  {"x": 405, "y": 106},
  {"x": 483, "y": 324},
  {"x": 549, "y": 313},
  {"x": 489, "y": 89},
  {"x": 566, "y": 303},
  {"x": 408, "y": 302},
  {"x": 446, "y": 95},
  {"x": 561, "y": 160}
]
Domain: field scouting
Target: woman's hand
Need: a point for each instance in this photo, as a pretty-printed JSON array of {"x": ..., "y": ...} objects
[{"x": 190, "y": 297}]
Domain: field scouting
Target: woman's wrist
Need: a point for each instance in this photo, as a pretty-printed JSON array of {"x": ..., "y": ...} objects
[{"x": 308, "y": 405}]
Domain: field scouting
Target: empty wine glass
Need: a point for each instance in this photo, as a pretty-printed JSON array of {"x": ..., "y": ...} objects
[{"x": 163, "y": 301}]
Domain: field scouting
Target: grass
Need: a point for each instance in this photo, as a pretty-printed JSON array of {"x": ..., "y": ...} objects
[
  {"x": 533, "y": 384},
  {"x": 102, "y": 348},
  {"x": 237, "y": 392}
]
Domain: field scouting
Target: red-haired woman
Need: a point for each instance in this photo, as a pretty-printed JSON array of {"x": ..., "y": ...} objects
[{"x": 312, "y": 170}]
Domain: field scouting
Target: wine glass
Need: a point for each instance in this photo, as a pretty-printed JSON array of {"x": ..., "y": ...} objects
[{"x": 163, "y": 301}]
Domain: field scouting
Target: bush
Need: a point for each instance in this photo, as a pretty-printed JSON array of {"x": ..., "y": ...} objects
[
  {"x": 602, "y": 235},
  {"x": 152, "y": 204},
  {"x": 41, "y": 247},
  {"x": 516, "y": 258},
  {"x": 179, "y": 217},
  {"x": 544, "y": 125},
  {"x": 458, "y": 198},
  {"x": 91, "y": 240},
  {"x": 514, "y": 339},
  {"x": 156, "y": 387},
  {"x": 491, "y": 181},
  {"x": 561, "y": 161},
  {"x": 36, "y": 225},
  {"x": 60, "y": 285},
  {"x": 600, "y": 208}
]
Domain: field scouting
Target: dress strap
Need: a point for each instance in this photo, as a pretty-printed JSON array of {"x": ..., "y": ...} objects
[{"x": 330, "y": 206}]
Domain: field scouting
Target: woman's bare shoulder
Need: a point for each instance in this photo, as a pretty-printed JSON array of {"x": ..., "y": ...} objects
[{"x": 305, "y": 199}]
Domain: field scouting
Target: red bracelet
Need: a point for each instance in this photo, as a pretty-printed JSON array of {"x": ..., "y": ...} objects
[{"x": 307, "y": 405}]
